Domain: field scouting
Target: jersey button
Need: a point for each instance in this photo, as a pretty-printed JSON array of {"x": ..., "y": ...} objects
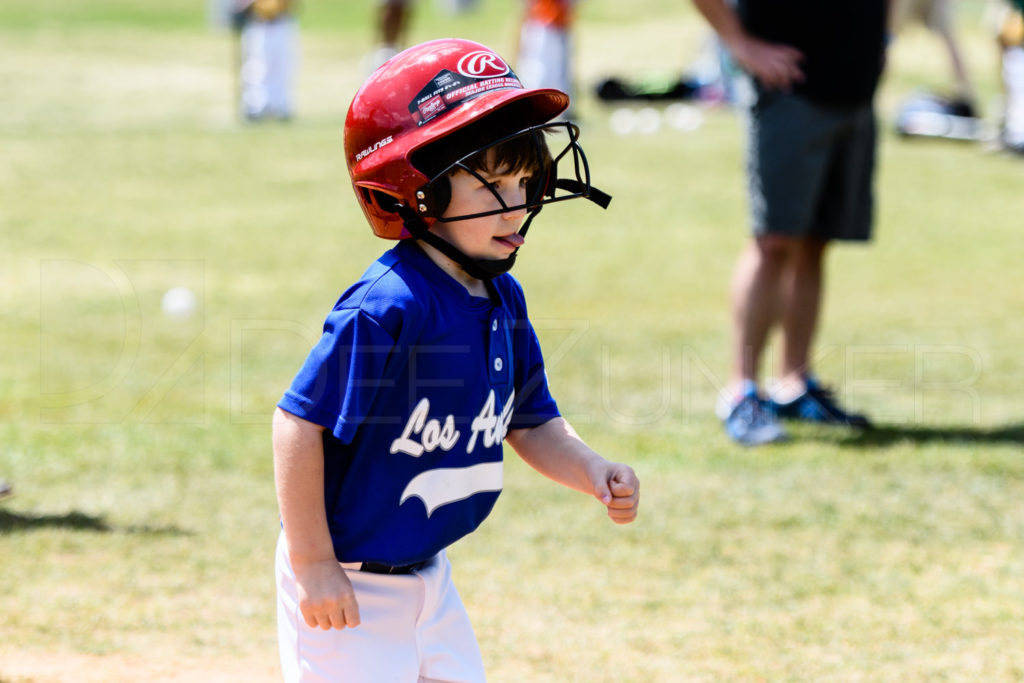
[
  {"x": 498, "y": 365},
  {"x": 494, "y": 325}
]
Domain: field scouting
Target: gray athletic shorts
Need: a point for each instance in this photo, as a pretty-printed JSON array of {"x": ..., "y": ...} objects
[{"x": 810, "y": 168}]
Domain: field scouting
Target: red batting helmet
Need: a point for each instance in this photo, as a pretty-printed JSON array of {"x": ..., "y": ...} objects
[{"x": 416, "y": 98}]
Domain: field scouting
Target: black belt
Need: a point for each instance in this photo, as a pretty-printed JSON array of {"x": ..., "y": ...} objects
[{"x": 378, "y": 568}]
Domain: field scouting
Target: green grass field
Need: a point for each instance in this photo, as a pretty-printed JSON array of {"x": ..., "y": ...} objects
[{"x": 139, "y": 543}]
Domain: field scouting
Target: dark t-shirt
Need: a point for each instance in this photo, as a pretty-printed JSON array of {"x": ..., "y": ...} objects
[{"x": 842, "y": 43}]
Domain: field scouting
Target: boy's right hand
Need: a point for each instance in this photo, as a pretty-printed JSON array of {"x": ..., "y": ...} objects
[{"x": 326, "y": 596}]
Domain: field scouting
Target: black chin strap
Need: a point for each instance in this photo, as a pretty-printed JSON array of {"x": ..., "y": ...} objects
[
  {"x": 481, "y": 269},
  {"x": 488, "y": 269}
]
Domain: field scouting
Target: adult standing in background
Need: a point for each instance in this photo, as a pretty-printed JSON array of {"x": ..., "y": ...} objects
[
  {"x": 390, "y": 30},
  {"x": 391, "y": 27},
  {"x": 811, "y": 154}
]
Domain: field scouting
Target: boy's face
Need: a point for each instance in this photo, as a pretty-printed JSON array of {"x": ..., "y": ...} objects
[{"x": 487, "y": 237}]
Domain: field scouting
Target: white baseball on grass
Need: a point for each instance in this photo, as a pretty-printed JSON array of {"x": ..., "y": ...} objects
[{"x": 179, "y": 302}]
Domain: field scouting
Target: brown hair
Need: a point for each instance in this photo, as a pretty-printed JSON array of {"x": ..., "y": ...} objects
[{"x": 521, "y": 153}]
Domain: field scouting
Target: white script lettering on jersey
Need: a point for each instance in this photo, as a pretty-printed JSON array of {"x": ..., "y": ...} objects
[
  {"x": 431, "y": 434},
  {"x": 493, "y": 426},
  {"x": 444, "y": 485}
]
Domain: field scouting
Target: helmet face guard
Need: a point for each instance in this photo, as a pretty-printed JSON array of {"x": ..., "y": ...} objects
[{"x": 546, "y": 188}]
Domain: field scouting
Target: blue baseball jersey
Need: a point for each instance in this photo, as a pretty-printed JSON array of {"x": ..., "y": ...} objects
[{"x": 416, "y": 383}]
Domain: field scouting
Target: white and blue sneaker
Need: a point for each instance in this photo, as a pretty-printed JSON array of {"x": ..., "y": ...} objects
[
  {"x": 818, "y": 404},
  {"x": 750, "y": 420}
]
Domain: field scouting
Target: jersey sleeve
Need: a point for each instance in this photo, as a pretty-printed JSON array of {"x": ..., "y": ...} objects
[
  {"x": 336, "y": 386},
  {"x": 533, "y": 404}
]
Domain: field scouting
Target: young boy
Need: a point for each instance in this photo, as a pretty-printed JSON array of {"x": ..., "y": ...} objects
[{"x": 387, "y": 446}]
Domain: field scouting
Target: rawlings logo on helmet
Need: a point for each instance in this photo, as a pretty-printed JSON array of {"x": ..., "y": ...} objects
[
  {"x": 377, "y": 145},
  {"x": 482, "y": 64}
]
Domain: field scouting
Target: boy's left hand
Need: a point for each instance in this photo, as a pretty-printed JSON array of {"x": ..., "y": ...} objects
[{"x": 619, "y": 489}]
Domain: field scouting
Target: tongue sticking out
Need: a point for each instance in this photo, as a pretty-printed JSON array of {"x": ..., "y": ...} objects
[{"x": 515, "y": 239}]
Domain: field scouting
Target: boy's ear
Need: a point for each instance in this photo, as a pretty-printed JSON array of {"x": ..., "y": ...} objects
[{"x": 432, "y": 199}]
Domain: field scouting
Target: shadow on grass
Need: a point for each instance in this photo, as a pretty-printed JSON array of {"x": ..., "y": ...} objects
[
  {"x": 78, "y": 521},
  {"x": 885, "y": 435}
]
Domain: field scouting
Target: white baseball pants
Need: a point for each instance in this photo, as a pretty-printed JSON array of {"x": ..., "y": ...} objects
[
  {"x": 269, "y": 54},
  {"x": 414, "y": 629},
  {"x": 544, "y": 59}
]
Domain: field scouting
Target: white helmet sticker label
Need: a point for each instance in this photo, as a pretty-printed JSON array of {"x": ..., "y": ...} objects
[
  {"x": 482, "y": 64},
  {"x": 476, "y": 73}
]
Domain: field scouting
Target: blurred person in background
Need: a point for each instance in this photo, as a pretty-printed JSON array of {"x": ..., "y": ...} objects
[
  {"x": 1011, "y": 51},
  {"x": 268, "y": 50},
  {"x": 390, "y": 32},
  {"x": 815, "y": 67},
  {"x": 544, "y": 59},
  {"x": 391, "y": 28},
  {"x": 938, "y": 16}
]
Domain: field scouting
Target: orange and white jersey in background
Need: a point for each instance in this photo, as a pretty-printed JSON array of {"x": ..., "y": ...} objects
[{"x": 557, "y": 13}]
